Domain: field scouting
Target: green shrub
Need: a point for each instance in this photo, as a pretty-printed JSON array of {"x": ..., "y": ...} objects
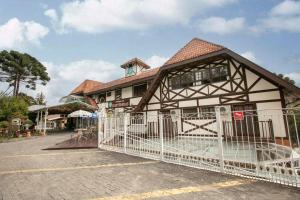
[
  {"x": 4, "y": 124},
  {"x": 12, "y": 107}
]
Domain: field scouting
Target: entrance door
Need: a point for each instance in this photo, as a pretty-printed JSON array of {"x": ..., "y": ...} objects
[
  {"x": 245, "y": 127},
  {"x": 169, "y": 130}
]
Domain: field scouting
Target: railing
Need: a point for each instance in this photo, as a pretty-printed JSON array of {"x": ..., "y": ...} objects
[
  {"x": 262, "y": 130},
  {"x": 264, "y": 145}
]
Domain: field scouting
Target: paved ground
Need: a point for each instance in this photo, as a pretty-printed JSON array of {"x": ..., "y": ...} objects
[{"x": 27, "y": 172}]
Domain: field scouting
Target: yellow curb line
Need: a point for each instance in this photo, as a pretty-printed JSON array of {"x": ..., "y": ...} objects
[
  {"x": 177, "y": 191},
  {"x": 75, "y": 168}
]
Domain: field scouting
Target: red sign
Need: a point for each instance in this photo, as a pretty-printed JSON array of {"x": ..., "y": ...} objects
[{"x": 238, "y": 115}]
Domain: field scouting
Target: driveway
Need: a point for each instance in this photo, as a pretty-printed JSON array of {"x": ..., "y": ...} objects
[{"x": 27, "y": 172}]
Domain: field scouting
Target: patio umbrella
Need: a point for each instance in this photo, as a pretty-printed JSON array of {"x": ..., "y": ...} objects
[
  {"x": 80, "y": 113},
  {"x": 82, "y": 118}
]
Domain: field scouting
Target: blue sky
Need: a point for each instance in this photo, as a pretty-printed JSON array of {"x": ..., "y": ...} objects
[{"x": 84, "y": 39}]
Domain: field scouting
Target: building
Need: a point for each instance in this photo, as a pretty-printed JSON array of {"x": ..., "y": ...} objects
[{"x": 199, "y": 78}]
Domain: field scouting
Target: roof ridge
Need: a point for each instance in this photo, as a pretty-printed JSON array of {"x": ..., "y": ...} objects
[
  {"x": 195, "y": 38},
  {"x": 190, "y": 50}
]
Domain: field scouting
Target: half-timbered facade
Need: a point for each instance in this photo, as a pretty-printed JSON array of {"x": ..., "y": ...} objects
[{"x": 199, "y": 78}]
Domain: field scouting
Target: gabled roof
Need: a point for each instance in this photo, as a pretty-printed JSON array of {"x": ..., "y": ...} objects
[
  {"x": 195, "y": 48},
  {"x": 126, "y": 81},
  {"x": 86, "y": 86},
  {"x": 136, "y": 61},
  {"x": 210, "y": 51}
]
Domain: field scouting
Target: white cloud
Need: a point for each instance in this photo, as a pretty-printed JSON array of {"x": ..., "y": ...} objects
[
  {"x": 17, "y": 34},
  {"x": 283, "y": 17},
  {"x": 65, "y": 77},
  {"x": 95, "y": 16},
  {"x": 250, "y": 56},
  {"x": 156, "y": 61},
  {"x": 286, "y": 8},
  {"x": 51, "y": 13},
  {"x": 221, "y": 26},
  {"x": 54, "y": 20}
]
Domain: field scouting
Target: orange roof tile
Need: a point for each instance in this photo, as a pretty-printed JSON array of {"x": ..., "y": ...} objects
[
  {"x": 86, "y": 86},
  {"x": 136, "y": 61},
  {"x": 195, "y": 48}
]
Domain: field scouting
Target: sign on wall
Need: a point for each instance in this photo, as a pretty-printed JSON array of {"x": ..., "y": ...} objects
[
  {"x": 120, "y": 103},
  {"x": 238, "y": 115}
]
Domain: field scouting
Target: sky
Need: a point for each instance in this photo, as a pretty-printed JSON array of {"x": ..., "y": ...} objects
[{"x": 90, "y": 39}]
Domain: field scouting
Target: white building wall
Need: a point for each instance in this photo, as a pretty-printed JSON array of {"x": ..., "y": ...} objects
[
  {"x": 127, "y": 92},
  {"x": 272, "y": 111},
  {"x": 190, "y": 103},
  {"x": 262, "y": 96},
  {"x": 154, "y": 106},
  {"x": 208, "y": 101},
  {"x": 135, "y": 101},
  {"x": 111, "y": 97}
]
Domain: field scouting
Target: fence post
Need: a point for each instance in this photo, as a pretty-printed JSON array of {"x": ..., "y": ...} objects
[
  {"x": 125, "y": 132},
  {"x": 99, "y": 129},
  {"x": 161, "y": 136},
  {"x": 220, "y": 139},
  {"x": 105, "y": 121}
]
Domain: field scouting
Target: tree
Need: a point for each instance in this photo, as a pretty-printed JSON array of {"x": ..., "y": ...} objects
[
  {"x": 40, "y": 99},
  {"x": 28, "y": 99},
  {"x": 288, "y": 79},
  {"x": 11, "y": 107},
  {"x": 20, "y": 68}
]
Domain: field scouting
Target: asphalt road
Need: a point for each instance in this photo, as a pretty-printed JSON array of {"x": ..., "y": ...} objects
[{"x": 28, "y": 172}]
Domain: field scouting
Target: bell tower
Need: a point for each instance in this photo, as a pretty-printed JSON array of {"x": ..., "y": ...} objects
[{"x": 134, "y": 67}]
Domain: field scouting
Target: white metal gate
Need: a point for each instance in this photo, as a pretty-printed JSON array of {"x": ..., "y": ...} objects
[{"x": 257, "y": 144}]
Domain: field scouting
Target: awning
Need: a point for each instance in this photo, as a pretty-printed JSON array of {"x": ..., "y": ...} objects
[{"x": 63, "y": 108}]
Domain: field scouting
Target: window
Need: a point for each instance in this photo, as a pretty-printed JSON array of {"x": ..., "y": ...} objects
[
  {"x": 101, "y": 98},
  {"x": 202, "y": 76},
  {"x": 118, "y": 94},
  {"x": 219, "y": 74},
  {"x": 139, "y": 90},
  {"x": 190, "y": 112},
  {"x": 187, "y": 79},
  {"x": 130, "y": 70},
  {"x": 207, "y": 112},
  {"x": 175, "y": 82},
  {"x": 137, "y": 118},
  {"x": 108, "y": 94}
]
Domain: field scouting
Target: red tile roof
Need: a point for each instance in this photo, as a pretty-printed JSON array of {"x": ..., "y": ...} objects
[
  {"x": 122, "y": 81},
  {"x": 136, "y": 61},
  {"x": 86, "y": 86},
  {"x": 195, "y": 48}
]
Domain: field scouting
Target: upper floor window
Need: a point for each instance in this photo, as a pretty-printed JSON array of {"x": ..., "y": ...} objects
[
  {"x": 101, "y": 98},
  {"x": 108, "y": 94},
  {"x": 139, "y": 90},
  {"x": 118, "y": 94},
  {"x": 199, "y": 77}
]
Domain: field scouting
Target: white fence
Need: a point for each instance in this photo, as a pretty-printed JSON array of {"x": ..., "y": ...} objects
[{"x": 257, "y": 144}]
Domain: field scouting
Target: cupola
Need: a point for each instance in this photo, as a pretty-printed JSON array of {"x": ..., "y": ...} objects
[{"x": 134, "y": 67}]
